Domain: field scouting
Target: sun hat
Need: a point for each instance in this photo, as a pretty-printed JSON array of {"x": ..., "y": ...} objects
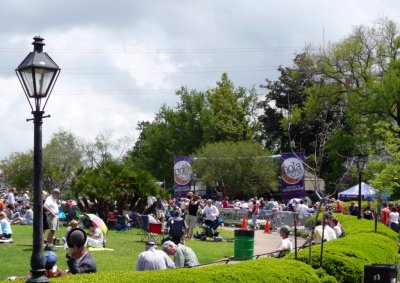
[
  {"x": 151, "y": 242},
  {"x": 50, "y": 259}
]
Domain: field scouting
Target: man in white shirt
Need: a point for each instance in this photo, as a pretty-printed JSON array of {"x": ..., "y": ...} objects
[
  {"x": 285, "y": 247},
  {"x": 51, "y": 208},
  {"x": 11, "y": 197},
  {"x": 303, "y": 211},
  {"x": 153, "y": 259},
  {"x": 329, "y": 234},
  {"x": 210, "y": 211}
]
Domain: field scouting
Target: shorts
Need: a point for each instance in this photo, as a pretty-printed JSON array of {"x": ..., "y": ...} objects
[
  {"x": 53, "y": 222},
  {"x": 191, "y": 221}
]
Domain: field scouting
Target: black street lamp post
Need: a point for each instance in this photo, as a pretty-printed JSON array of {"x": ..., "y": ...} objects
[
  {"x": 37, "y": 74},
  {"x": 361, "y": 163},
  {"x": 194, "y": 179}
]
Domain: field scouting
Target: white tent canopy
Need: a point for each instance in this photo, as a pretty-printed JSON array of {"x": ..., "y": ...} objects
[{"x": 366, "y": 192}]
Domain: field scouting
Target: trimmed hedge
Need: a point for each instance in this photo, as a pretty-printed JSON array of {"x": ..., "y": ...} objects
[
  {"x": 343, "y": 261},
  {"x": 345, "y": 258},
  {"x": 352, "y": 225},
  {"x": 261, "y": 270}
]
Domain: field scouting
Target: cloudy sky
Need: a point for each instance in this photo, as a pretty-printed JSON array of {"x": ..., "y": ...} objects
[{"x": 121, "y": 60}]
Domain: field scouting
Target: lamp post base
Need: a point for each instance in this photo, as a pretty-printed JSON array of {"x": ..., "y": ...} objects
[{"x": 38, "y": 276}]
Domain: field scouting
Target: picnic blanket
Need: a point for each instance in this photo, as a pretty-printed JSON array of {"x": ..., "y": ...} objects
[{"x": 99, "y": 249}]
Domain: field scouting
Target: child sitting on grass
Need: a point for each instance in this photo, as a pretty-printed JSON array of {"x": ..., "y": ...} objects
[{"x": 72, "y": 225}]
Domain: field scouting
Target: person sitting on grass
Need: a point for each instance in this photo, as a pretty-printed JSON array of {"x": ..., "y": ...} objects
[
  {"x": 285, "y": 247},
  {"x": 153, "y": 259},
  {"x": 50, "y": 261},
  {"x": 96, "y": 239},
  {"x": 5, "y": 228},
  {"x": 72, "y": 224},
  {"x": 183, "y": 255},
  {"x": 27, "y": 219},
  {"x": 79, "y": 259}
]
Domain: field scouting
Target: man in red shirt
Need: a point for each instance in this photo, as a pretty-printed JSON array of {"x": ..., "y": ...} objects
[
  {"x": 339, "y": 207},
  {"x": 385, "y": 214},
  {"x": 225, "y": 202}
]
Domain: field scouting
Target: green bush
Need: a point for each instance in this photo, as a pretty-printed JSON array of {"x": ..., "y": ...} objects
[
  {"x": 352, "y": 225},
  {"x": 261, "y": 270},
  {"x": 344, "y": 259}
]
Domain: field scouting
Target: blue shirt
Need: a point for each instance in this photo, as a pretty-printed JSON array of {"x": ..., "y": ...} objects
[{"x": 5, "y": 226}]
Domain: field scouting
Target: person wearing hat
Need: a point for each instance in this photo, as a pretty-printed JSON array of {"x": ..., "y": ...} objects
[
  {"x": 183, "y": 256},
  {"x": 153, "y": 259},
  {"x": 51, "y": 208},
  {"x": 285, "y": 246},
  {"x": 51, "y": 269},
  {"x": 79, "y": 259}
]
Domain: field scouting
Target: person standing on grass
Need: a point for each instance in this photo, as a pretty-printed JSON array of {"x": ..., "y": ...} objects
[
  {"x": 51, "y": 208},
  {"x": 191, "y": 218},
  {"x": 153, "y": 259},
  {"x": 394, "y": 220},
  {"x": 183, "y": 255},
  {"x": 385, "y": 212}
]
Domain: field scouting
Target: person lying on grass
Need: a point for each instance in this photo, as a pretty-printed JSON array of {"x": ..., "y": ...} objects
[{"x": 50, "y": 265}]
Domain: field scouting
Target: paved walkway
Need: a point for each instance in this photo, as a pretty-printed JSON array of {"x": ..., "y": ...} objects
[{"x": 267, "y": 242}]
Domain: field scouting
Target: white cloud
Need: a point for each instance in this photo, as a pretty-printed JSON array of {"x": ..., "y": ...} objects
[{"x": 122, "y": 60}]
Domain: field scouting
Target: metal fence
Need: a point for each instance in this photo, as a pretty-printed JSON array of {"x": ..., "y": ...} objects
[{"x": 276, "y": 218}]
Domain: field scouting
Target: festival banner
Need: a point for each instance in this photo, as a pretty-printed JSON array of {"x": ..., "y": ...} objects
[
  {"x": 182, "y": 175},
  {"x": 292, "y": 176}
]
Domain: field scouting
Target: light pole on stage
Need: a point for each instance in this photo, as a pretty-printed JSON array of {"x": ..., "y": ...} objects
[
  {"x": 194, "y": 179},
  {"x": 37, "y": 74},
  {"x": 361, "y": 163}
]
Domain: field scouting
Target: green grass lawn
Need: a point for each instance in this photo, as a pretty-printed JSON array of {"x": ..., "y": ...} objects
[{"x": 15, "y": 257}]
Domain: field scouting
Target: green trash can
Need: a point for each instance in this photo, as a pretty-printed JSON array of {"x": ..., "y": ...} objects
[
  {"x": 244, "y": 244},
  {"x": 380, "y": 273}
]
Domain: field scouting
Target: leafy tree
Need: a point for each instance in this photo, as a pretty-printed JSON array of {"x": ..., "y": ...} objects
[
  {"x": 285, "y": 95},
  {"x": 18, "y": 170},
  {"x": 237, "y": 169},
  {"x": 230, "y": 112},
  {"x": 61, "y": 157},
  {"x": 115, "y": 181},
  {"x": 384, "y": 164},
  {"x": 222, "y": 113}
]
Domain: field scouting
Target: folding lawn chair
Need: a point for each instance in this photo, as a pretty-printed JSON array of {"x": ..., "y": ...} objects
[
  {"x": 155, "y": 232},
  {"x": 121, "y": 224},
  {"x": 111, "y": 219},
  {"x": 143, "y": 226}
]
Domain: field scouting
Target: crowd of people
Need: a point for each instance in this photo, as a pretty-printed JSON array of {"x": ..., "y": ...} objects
[{"x": 178, "y": 217}]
